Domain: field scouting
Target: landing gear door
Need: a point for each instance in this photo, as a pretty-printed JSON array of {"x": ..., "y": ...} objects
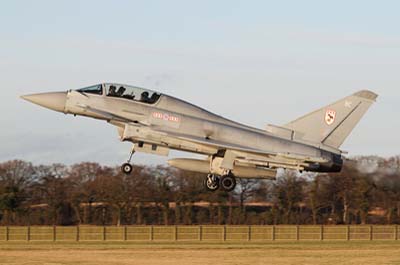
[
  {"x": 151, "y": 149},
  {"x": 229, "y": 160}
]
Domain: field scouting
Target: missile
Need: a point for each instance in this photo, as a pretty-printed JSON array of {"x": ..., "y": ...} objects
[{"x": 203, "y": 166}]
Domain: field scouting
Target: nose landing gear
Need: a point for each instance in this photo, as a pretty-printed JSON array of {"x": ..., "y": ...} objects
[{"x": 127, "y": 167}]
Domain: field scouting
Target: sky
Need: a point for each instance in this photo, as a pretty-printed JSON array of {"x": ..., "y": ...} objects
[{"x": 256, "y": 62}]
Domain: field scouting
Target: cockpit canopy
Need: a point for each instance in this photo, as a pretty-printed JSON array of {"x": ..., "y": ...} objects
[
  {"x": 97, "y": 89},
  {"x": 123, "y": 91}
]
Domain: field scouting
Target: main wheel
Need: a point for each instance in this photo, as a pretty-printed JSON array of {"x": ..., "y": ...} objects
[
  {"x": 211, "y": 182},
  {"x": 228, "y": 183},
  {"x": 126, "y": 168}
]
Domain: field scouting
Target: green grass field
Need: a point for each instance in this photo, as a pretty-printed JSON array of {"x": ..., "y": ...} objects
[{"x": 374, "y": 252}]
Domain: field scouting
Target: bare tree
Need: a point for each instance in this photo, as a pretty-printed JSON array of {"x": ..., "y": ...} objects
[
  {"x": 15, "y": 178},
  {"x": 53, "y": 189},
  {"x": 315, "y": 197},
  {"x": 89, "y": 193},
  {"x": 288, "y": 191}
]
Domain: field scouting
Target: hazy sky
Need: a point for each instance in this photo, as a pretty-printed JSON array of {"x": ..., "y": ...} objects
[{"x": 256, "y": 62}]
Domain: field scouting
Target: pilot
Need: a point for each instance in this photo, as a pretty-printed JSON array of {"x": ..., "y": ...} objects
[
  {"x": 112, "y": 92},
  {"x": 144, "y": 97},
  {"x": 120, "y": 91},
  {"x": 154, "y": 98}
]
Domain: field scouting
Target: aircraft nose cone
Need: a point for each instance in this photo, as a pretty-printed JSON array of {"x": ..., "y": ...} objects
[{"x": 53, "y": 100}]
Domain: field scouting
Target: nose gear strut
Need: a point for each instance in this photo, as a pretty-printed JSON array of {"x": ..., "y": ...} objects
[{"x": 127, "y": 167}]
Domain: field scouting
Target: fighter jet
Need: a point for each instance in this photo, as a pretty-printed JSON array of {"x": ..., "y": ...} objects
[{"x": 156, "y": 123}]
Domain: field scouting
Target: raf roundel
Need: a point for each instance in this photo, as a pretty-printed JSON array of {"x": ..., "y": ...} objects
[{"x": 330, "y": 116}]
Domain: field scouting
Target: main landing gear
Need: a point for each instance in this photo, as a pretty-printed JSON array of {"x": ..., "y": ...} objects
[
  {"x": 127, "y": 167},
  {"x": 213, "y": 182}
]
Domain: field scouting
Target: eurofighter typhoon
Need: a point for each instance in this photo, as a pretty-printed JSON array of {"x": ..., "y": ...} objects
[{"x": 156, "y": 123}]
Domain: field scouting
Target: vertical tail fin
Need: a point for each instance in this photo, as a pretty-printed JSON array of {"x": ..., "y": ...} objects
[{"x": 332, "y": 124}]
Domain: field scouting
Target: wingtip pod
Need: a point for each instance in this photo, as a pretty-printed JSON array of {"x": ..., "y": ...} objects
[{"x": 367, "y": 94}]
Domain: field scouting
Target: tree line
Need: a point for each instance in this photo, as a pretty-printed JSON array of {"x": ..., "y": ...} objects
[{"x": 367, "y": 191}]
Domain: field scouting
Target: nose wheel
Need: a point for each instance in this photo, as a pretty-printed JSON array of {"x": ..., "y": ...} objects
[{"x": 127, "y": 167}]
